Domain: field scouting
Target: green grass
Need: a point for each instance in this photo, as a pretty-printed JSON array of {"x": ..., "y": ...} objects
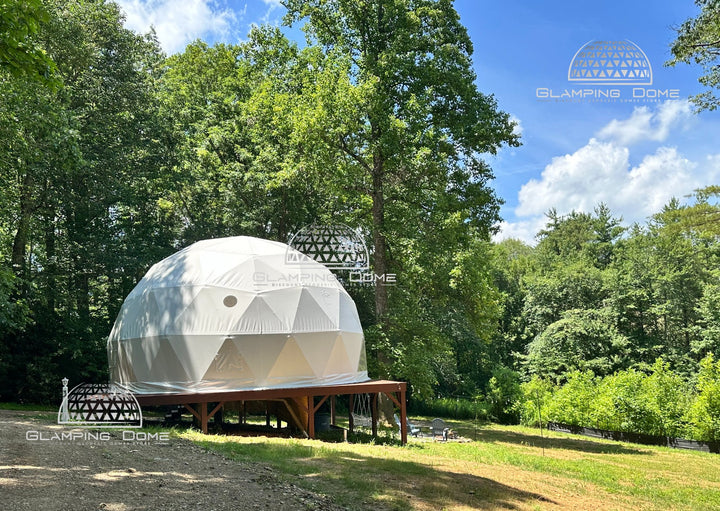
[
  {"x": 508, "y": 466},
  {"x": 28, "y": 407},
  {"x": 497, "y": 467}
]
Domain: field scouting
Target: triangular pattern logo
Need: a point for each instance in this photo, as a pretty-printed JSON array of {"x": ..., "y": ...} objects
[
  {"x": 610, "y": 63},
  {"x": 338, "y": 247},
  {"x": 99, "y": 406}
]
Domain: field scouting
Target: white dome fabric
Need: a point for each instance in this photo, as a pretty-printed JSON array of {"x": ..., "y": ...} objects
[{"x": 231, "y": 314}]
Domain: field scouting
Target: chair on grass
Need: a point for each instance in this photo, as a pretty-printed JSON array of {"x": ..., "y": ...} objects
[
  {"x": 438, "y": 428},
  {"x": 412, "y": 428}
]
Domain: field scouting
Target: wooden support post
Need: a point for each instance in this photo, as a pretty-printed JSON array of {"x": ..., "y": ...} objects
[
  {"x": 298, "y": 422},
  {"x": 351, "y": 421},
  {"x": 267, "y": 415},
  {"x": 374, "y": 413},
  {"x": 203, "y": 417},
  {"x": 403, "y": 418},
  {"x": 332, "y": 410},
  {"x": 196, "y": 415},
  {"x": 311, "y": 416}
]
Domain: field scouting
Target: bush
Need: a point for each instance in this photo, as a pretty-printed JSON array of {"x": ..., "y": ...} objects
[
  {"x": 572, "y": 403},
  {"x": 535, "y": 397},
  {"x": 451, "y": 408},
  {"x": 503, "y": 392},
  {"x": 704, "y": 414},
  {"x": 660, "y": 403}
]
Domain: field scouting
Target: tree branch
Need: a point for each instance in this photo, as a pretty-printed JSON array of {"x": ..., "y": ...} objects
[{"x": 353, "y": 155}]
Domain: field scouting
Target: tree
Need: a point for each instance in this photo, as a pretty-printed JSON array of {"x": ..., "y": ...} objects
[
  {"x": 409, "y": 116},
  {"x": 392, "y": 120},
  {"x": 20, "y": 53},
  {"x": 704, "y": 413},
  {"x": 698, "y": 40},
  {"x": 230, "y": 114},
  {"x": 580, "y": 340},
  {"x": 80, "y": 177}
]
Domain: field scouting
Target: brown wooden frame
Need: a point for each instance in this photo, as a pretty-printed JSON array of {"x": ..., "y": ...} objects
[{"x": 395, "y": 390}]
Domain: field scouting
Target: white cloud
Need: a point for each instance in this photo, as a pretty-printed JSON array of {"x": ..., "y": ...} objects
[
  {"x": 574, "y": 181},
  {"x": 600, "y": 171},
  {"x": 646, "y": 124},
  {"x": 178, "y": 23},
  {"x": 523, "y": 230}
]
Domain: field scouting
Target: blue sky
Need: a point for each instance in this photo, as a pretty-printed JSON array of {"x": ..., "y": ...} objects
[{"x": 633, "y": 153}]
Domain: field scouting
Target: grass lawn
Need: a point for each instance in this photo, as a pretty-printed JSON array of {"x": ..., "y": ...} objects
[{"x": 504, "y": 467}]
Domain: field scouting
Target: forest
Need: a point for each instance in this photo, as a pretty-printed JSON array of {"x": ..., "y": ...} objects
[{"x": 117, "y": 155}]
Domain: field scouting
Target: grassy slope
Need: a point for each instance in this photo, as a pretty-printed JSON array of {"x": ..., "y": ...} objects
[{"x": 505, "y": 468}]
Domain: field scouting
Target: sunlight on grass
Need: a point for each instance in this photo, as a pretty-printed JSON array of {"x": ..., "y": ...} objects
[{"x": 505, "y": 467}]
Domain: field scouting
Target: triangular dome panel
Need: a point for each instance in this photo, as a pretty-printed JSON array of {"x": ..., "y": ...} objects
[
  {"x": 228, "y": 363},
  {"x": 291, "y": 363},
  {"x": 311, "y": 316},
  {"x": 166, "y": 366},
  {"x": 338, "y": 362},
  {"x": 259, "y": 318},
  {"x": 316, "y": 348},
  {"x": 260, "y": 352}
]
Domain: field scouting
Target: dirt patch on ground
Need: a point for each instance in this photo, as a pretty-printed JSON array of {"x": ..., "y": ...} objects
[{"x": 41, "y": 470}]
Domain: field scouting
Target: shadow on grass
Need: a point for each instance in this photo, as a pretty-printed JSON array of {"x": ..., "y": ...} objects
[
  {"x": 535, "y": 440},
  {"x": 359, "y": 481}
]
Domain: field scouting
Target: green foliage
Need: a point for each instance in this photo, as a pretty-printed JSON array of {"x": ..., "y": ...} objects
[
  {"x": 535, "y": 397},
  {"x": 20, "y": 53},
  {"x": 502, "y": 393},
  {"x": 708, "y": 325},
  {"x": 580, "y": 340},
  {"x": 572, "y": 402},
  {"x": 660, "y": 402},
  {"x": 698, "y": 41},
  {"x": 451, "y": 408},
  {"x": 704, "y": 414}
]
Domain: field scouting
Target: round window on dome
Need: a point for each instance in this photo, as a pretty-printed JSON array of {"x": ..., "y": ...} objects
[{"x": 230, "y": 301}]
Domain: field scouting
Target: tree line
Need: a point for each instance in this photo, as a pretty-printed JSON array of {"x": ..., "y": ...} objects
[{"x": 118, "y": 155}]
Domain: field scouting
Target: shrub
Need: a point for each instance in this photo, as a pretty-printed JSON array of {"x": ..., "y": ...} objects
[
  {"x": 451, "y": 408},
  {"x": 704, "y": 413},
  {"x": 572, "y": 403},
  {"x": 503, "y": 392},
  {"x": 535, "y": 397}
]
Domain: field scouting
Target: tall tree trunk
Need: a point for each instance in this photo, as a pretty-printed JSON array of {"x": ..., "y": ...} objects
[
  {"x": 51, "y": 265},
  {"x": 19, "y": 249},
  {"x": 380, "y": 262}
]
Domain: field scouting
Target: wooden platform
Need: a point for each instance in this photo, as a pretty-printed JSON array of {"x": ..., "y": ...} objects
[{"x": 301, "y": 402}]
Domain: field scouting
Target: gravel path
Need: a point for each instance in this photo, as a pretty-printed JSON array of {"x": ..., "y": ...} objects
[{"x": 79, "y": 474}]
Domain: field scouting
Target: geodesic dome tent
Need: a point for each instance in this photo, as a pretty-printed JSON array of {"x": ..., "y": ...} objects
[{"x": 236, "y": 314}]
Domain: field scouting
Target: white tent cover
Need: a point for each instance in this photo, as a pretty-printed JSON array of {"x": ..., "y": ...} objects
[{"x": 231, "y": 314}]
